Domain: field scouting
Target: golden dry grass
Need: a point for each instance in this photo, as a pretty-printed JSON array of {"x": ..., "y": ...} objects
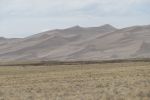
[{"x": 117, "y": 81}]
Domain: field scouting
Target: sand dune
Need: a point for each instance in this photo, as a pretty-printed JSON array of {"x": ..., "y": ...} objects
[{"x": 79, "y": 43}]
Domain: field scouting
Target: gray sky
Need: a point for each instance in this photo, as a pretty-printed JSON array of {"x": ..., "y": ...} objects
[{"x": 20, "y": 18}]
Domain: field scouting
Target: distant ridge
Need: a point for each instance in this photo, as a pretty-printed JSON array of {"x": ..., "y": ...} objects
[{"x": 79, "y": 44}]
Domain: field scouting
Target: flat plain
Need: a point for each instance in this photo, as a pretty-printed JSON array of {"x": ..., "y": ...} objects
[{"x": 109, "y": 81}]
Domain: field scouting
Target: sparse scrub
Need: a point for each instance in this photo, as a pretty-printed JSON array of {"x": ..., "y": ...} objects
[{"x": 110, "y": 81}]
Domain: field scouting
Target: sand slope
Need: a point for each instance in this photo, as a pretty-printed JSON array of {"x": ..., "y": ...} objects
[{"x": 78, "y": 43}]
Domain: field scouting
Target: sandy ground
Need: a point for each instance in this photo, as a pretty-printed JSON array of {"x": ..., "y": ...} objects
[{"x": 118, "y": 81}]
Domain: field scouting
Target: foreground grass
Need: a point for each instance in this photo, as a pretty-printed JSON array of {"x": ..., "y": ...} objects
[{"x": 111, "y": 81}]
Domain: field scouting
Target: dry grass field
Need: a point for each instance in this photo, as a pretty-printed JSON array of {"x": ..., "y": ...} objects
[{"x": 110, "y": 81}]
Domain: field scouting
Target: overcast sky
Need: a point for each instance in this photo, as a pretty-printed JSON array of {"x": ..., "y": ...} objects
[{"x": 20, "y": 18}]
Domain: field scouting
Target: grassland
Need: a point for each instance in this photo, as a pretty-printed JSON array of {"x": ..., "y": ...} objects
[{"x": 109, "y": 81}]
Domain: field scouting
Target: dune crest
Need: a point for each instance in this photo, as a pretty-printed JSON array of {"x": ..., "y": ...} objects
[{"x": 79, "y": 43}]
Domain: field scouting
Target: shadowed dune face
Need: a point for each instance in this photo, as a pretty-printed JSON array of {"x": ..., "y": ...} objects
[{"x": 78, "y": 43}]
